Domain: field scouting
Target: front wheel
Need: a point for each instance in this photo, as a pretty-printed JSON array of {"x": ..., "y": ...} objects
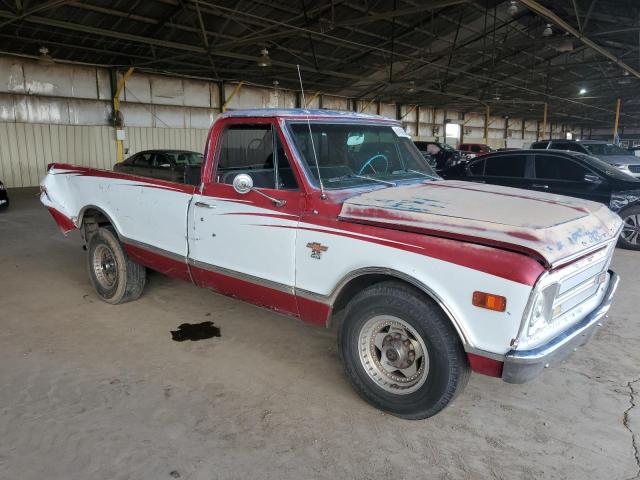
[
  {"x": 630, "y": 235},
  {"x": 114, "y": 276},
  {"x": 401, "y": 352}
]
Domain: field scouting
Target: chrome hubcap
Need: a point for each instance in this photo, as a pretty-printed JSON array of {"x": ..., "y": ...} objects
[
  {"x": 631, "y": 229},
  {"x": 393, "y": 354},
  {"x": 105, "y": 266}
]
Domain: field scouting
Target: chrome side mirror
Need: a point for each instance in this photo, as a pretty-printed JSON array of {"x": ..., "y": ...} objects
[{"x": 242, "y": 183}]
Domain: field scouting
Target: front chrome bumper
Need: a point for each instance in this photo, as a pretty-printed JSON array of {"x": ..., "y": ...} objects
[{"x": 520, "y": 366}]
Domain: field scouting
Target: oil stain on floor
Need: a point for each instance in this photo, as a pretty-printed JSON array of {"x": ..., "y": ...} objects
[{"x": 195, "y": 331}]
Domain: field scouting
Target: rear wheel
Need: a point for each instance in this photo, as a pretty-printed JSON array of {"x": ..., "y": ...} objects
[
  {"x": 401, "y": 352},
  {"x": 114, "y": 276},
  {"x": 630, "y": 235}
]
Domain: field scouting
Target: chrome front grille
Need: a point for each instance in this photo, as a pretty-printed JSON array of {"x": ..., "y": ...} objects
[
  {"x": 582, "y": 281},
  {"x": 634, "y": 168}
]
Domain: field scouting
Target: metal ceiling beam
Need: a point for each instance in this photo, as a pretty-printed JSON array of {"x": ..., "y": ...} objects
[
  {"x": 544, "y": 12},
  {"x": 40, "y": 8},
  {"x": 391, "y": 14},
  {"x": 169, "y": 44}
]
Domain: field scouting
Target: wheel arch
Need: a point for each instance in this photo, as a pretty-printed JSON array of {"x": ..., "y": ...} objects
[
  {"x": 362, "y": 278},
  {"x": 92, "y": 217}
]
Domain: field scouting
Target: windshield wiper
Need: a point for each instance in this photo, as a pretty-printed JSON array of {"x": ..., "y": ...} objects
[
  {"x": 353, "y": 175},
  {"x": 417, "y": 172}
]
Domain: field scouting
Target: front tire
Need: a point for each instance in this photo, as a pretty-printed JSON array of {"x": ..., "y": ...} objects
[
  {"x": 630, "y": 235},
  {"x": 114, "y": 276},
  {"x": 400, "y": 351}
]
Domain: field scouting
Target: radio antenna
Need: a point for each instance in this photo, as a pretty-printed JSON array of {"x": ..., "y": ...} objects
[{"x": 313, "y": 146}]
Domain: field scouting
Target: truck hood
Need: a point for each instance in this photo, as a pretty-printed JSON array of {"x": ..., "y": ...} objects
[{"x": 551, "y": 228}]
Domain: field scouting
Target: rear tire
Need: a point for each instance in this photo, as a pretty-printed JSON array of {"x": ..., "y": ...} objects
[
  {"x": 114, "y": 276},
  {"x": 630, "y": 235},
  {"x": 400, "y": 351}
]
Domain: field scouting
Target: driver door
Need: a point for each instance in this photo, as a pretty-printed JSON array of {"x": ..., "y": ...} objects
[{"x": 243, "y": 244}]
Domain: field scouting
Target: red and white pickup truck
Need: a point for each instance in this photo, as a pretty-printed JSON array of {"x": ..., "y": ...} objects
[{"x": 336, "y": 218}]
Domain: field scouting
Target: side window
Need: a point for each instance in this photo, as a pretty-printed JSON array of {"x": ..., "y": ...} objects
[
  {"x": 560, "y": 145},
  {"x": 475, "y": 148},
  {"x": 506, "y": 166},
  {"x": 559, "y": 168},
  {"x": 249, "y": 149},
  {"x": 160, "y": 159},
  {"x": 143, "y": 160},
  {"x": 286, "y": 179},
  {"x": 477, "y": 168},
  {"x": 539, "y": 145},
  {"x": 574, "y": 147},
  {"x": 129, "y": 161}
]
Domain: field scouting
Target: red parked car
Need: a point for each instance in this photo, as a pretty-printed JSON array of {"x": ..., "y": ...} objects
[{"x": 475, "y": 149}]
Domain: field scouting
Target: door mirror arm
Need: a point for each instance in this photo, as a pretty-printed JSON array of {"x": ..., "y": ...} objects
[{"x": 243, "y": 184}]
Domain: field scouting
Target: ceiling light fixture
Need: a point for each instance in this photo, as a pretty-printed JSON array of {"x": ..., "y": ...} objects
[
  {"x": 513, "y": 8},
  {"x": 412, "y": 87},
  {"x": 45, "y": 58},
  {"x": 547, "y": 32},
  {"x": 264, "y": 60},
  {"x": 582, "y": 91}
]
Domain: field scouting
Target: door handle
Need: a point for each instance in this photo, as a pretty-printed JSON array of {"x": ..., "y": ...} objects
[
  {"x": 536, "y": 185},
  {"x": 204, "y": 205}
]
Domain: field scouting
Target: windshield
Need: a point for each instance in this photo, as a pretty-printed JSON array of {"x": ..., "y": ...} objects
[
  {"x": 352, "y": 155},
  {"x": 446, "y": 146},
  {"x": 604, "y": 149},
  {"x": 186, "y": 158}
]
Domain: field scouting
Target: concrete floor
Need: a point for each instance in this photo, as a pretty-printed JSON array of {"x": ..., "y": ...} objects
[{"x": 94, "y": 391}]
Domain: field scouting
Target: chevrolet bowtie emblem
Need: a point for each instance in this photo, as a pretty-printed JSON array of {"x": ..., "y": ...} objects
[{"x": 316, "y": 249}]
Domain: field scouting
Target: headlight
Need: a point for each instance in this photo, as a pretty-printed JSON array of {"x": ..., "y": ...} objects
[{"x": 541, "y": 310}]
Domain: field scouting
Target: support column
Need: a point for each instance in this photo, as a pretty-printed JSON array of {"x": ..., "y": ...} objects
[
  {"x": 233, "y": 94},
  {"x": 506, "y": 130},
  {"x": 486, "y": 125},
  {"x": 615, "y": 126},
  {"x": 120, "y": 132},
  {"x": 544, "y": 120}
]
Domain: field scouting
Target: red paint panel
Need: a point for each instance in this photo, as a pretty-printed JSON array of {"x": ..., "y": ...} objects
[
  {"x": 64, "y": 223},
  {"x": 145, "y": 181},
  {"x": 505, "y": 264},
  {"x": 249, "y": 292},
  {"x": 313, "y": 312},
  {"x": 160, "y": 263},
  {"x": 485, "y": 365}
]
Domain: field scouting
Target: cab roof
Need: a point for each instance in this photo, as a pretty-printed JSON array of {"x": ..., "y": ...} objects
[{"x": 304, "y": 113}]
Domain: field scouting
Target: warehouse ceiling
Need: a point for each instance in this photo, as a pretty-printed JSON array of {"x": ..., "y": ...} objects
[{"x": 513, "y": 56}]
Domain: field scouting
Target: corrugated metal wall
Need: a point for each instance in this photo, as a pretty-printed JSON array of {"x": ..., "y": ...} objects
[
  {"x": 60, "y": 113},
  {"x": 27, "y": 148}
]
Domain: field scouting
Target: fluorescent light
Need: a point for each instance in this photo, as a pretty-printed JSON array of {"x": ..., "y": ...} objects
[{"x": 583, "y": 91}]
